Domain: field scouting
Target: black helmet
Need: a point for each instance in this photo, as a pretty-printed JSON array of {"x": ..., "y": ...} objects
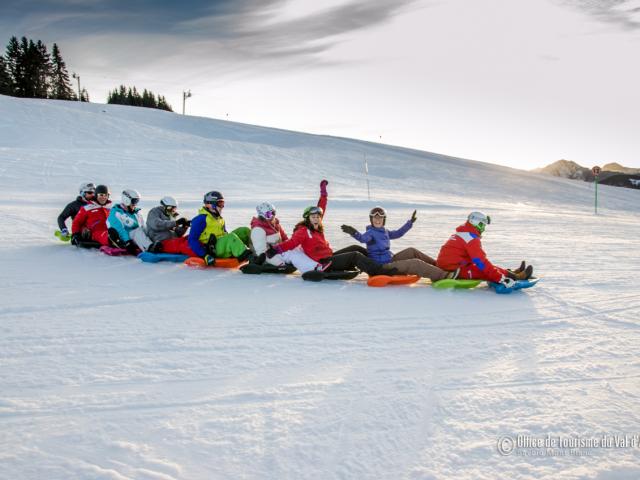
[
  {"x": 213, "y": 197},
  {"x": 102, "y": 189}
]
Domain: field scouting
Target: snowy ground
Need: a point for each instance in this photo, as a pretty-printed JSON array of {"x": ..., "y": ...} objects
[{"x": 115, "y": 369}]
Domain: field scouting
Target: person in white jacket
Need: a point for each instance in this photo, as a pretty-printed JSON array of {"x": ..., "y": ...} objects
[{"x": 267, "y": 231}]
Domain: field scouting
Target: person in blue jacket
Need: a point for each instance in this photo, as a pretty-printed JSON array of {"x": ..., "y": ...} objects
[
  {"x": 409, "y": 261},
  {"x": 126, "y": 225}
]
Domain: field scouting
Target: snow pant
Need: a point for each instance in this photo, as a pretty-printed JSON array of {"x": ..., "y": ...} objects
[
  {"x": 100, "y": 236},
  {"x": 295, "y": 257},
  {"x": 356, "y": 260},
  {"x": 352, "y": 248},
  {"x": 177, "y": 245},
  {"x": 470, "y": 271},
  {"x": 411, "y": 261},
  {"x": 140, "y": 238},
  {"x": 233, "y": 244}
]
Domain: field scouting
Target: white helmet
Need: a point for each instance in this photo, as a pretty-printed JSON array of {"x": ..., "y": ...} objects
[
  {"x": 130, "y": 197},
  {"x": 88, "y": 187},
  {"x": 479, "y": 220},
  {"x": 168, "y": 201},
  {"x": 266, "y": 210}
]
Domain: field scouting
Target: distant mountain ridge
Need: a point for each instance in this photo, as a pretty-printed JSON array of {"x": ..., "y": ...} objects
[
  {"x": 611, "y": 174},
  {"x": 616, "y": 167}
]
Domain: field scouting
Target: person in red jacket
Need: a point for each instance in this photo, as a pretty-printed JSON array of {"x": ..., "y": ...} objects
[
  {"x": 309, "y": 234},
  {"x": 464, "y": 250},
  {"x": 89, "y": 228}
]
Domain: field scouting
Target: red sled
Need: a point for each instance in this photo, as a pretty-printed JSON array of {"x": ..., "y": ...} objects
[
  {"x": 197, "y": 262},
  {"x": 384, "y": 280},
  {"x": 113, "y": 251}
]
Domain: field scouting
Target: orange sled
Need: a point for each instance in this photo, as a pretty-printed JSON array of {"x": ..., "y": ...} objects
[
  {"x": 384, "y": 280},
  {"x": 197, "y": 262}
]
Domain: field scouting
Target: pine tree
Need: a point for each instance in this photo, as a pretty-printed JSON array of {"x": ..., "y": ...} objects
[
  {"x": 28, "y": 61},
  {"x": 15, "y": 67},
  {"x": 148, "y": 99},
  {"x": 5, "y": 78},
  {"x": 43, "y": 70},
  {"x": 163, "y": 105},
  {"x": 60, "y": 85},
  {"x": 84, "y": 95}
]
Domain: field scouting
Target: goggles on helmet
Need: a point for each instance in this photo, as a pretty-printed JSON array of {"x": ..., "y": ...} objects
[{"x": 378, "y": 212}]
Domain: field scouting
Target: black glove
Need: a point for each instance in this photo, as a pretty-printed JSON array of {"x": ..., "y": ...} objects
[
  {"x": 180, "y": 231},
  {"x": 271, "y": 252},
  {"x": 348, "y": 229},
  {"x": 259, "y": 259},
  {"x": 182, "y": 222},
  {"x": 211, "y": 245},
  {"x": 131, "y": 247},
  {"x": 414, "y": 217},
  {"x": 75, "y": 239}
]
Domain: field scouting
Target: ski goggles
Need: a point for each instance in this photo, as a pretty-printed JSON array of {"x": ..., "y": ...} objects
[
  {"x": 134, "y": 201},
  {"x": 269, "y": 215},
  {"x": 378, "y": 212},
  {"x": 220, "y": 203},
  {"x": 89, "y": 192},
  {"x": 314, "y": 211}
]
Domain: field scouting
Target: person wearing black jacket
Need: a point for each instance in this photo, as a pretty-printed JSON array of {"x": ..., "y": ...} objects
[{"x": 87, "y": 194}]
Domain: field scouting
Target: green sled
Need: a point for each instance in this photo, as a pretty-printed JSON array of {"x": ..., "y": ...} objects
[
  {"x": 449, "y": 283},
  {"x": 62, "y": 238}
]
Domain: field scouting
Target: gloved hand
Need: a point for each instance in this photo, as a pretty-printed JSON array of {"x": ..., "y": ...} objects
[
  {"x": 75, "y": 239},
  {"x": 131, "y": 247},
  {"x": 85, "y": 234},
  {"x": 272, "y": 251},
  {"x": 64, "y": 232},
  {"x": 414, "y": 216},
  {"x": 259, "y": 259},
  {"x": 323, "y": 188},
  {"x": 211, "y": 245},
  {"x": 507, "y": 282},
  {"x": 182, "y": 222},
  {"x": 209, "y": 260},
  {"x": 348, "y": 229}
]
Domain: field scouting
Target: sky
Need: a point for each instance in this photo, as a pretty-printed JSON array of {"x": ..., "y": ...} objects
[{"x": 520, "y": 83}]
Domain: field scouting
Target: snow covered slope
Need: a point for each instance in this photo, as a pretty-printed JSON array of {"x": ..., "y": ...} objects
[{"x": 114, "y": 369}]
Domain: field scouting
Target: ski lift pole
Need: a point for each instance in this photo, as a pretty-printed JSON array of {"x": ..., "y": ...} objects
[{"x": 596, "y": 172}]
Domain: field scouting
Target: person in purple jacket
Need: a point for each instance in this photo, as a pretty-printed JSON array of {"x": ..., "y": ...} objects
[{"x": 409, "y": 261}]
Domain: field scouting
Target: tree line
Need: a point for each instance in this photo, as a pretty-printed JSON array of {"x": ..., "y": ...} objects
[
  {"x": 131, "y": 96},
  {"x": 28, "y": 70}
]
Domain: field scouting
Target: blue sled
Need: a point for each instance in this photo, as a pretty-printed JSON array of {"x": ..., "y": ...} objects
[
  {"x": 499, "y": 288},
  {"x": 162, "y": 257}
]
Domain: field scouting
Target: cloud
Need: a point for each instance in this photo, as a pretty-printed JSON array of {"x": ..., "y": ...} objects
[
  {"x": 248, "y": 27},
  {"x": 116, "y": 41},
  {"x": 623, "y": 13}
]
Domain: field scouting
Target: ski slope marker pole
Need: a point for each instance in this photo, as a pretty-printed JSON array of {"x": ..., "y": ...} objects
[
  {"x": 596, "y": 171},
  {"x": 366, "y": 173}
]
